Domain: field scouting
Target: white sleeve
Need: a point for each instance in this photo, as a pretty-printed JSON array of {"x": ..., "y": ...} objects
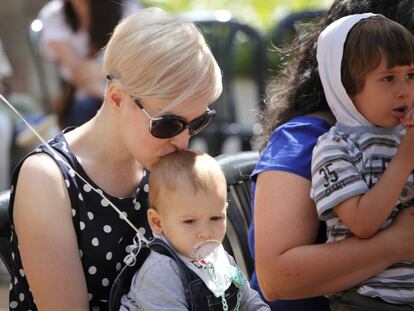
[
  {"x": 335, "y": 176},
  {"x": 54, "y": 26}
]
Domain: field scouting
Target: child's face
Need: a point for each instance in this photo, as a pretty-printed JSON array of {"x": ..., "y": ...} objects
[
  {"x": 186, "y": 219},
  {"x": 388, "y": 93}
]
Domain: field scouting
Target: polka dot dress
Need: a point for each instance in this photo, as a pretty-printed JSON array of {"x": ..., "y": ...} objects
[{"x": 102, "y": 235}]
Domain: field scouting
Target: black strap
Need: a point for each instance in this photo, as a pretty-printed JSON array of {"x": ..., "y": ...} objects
[
  {"x": 122, "y": 282},
  {"x": 163, "y": 248}
]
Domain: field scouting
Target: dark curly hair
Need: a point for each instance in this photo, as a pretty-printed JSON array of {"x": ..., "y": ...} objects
[{"x": 298, "y": 90}]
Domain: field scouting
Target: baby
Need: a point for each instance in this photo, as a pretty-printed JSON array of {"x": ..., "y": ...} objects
[{"x": 188, "y": 202}]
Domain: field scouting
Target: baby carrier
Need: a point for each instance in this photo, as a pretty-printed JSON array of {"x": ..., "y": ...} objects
[{"x": 198, "y": 296}]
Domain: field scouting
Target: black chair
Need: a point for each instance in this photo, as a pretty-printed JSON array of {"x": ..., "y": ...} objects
[
  {"x": 289, "y": 27},
  {"x": 237, "y": 169},
  {"x": 5, "y": 253},
  {"x": 236, "y": 46},
  {"x": 49, "y": 80},
  {"x": 33, "y": 34}
]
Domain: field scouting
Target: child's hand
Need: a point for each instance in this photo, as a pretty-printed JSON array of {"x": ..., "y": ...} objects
[
  {"x": 406, "y": 149},
  {"x": 408, "y": 119}
]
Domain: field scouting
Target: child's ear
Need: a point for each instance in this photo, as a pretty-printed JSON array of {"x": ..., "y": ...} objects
[{"x": 154, "y": 220}]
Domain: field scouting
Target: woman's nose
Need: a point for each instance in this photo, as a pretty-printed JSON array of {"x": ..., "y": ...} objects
[{"x": 181, "y": 140}]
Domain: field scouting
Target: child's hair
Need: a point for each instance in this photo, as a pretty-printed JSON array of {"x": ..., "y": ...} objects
[
  {"x": 368, "y": 41},
  {"x": 186, "y": 169},
  {"x": 154, "y": 54}
]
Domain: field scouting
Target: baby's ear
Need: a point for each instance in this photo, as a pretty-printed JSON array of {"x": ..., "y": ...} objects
[{"x": 154, "y": 220}]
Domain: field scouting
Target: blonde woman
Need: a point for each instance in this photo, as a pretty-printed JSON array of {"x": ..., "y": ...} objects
[{"x": 67, "y": 243}]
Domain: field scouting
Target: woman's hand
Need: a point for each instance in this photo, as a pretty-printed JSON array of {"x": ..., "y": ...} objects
[
  {"x": 84, "y": 74},
  {"x": 401, "y": 235}
]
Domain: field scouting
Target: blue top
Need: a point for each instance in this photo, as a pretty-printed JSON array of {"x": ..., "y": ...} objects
[
  {"x": 102, "y": 235},
  {"x": 290, "y": 149}
]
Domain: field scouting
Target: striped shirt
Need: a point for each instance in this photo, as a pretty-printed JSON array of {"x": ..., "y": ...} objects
[{"x": 347, "y": 162}]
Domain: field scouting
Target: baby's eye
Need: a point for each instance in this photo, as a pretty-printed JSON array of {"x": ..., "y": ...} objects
[
  {"x": 189, "y": 221},
  {"x": 216, "y": 218},
  {"x": 410, "y": 76},
  {"x": 388, "y": 78}
]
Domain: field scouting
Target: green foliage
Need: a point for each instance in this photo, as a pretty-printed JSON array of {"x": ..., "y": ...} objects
[{"x": 262, "y": 14}]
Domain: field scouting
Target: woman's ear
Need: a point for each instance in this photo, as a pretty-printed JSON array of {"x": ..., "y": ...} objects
[
  {"x": 115, "y": 95},
  {"x": 154, "y": 220}
]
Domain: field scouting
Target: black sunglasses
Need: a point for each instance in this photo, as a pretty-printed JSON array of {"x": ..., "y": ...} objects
[{"x": 168, "y": 126}]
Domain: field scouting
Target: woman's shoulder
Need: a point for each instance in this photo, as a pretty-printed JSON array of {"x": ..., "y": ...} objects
[
  {"x": 40, "y": 178},
  {"x": 309, "y": 124},
  {"x": 291, "y": 144},
  {"x": 40, "y": 167}
]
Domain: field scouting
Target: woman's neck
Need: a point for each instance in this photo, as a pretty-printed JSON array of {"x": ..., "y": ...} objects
[{"x": 103, "y": 155}]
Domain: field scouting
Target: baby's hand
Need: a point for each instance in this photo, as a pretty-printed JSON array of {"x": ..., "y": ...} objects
[{"x": 408, "y": 119}]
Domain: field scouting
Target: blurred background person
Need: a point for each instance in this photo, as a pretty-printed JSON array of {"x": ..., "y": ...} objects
[{"x": 73, "y": 34}]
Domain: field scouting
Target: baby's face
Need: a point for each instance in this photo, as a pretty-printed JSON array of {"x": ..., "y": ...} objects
[
  {"x": 388, "y": 93},
  {"x": 188, "y": 218}
]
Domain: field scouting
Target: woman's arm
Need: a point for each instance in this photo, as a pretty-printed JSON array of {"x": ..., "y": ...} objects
[
  {"x": 47, "y": 240},
  {"x": 288, "y": 263}
]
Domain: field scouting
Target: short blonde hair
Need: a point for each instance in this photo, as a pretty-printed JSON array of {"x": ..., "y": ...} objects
[
  {"x": 157, "y": 55},
  {"x": 186, "y": 168}
]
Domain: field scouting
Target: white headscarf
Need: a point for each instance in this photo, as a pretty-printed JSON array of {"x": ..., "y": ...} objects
[{"x": 329, "y": 55}]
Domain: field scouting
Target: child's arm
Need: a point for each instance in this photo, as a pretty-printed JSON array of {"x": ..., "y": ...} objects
[
  {"x": 157, "y": 286},
  {"x": 364, "y": 214}
]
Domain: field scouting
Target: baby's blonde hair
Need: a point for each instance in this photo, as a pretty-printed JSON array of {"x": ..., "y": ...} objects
[
  {"x": 186, "y": 168},
  {"x": 157, "y": 55}
]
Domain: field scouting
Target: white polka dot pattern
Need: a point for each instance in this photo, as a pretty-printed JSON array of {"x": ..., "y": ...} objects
[
  {"x": 107, "y": 229},
  {"x": 87, "y": 188},
  {"x": 101, "y": 235},
  {"x": 92, "y": 270},
  {"x": 91, "y": 215},
  {"x": 95, "y": 242}
]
